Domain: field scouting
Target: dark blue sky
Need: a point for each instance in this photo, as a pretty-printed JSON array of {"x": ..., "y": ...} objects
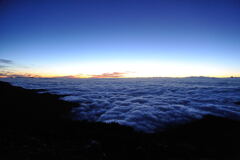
[{"x": 167, "y": 37}]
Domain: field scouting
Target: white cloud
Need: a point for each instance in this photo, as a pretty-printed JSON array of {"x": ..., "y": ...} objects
[{"x": 145, "y": 104}]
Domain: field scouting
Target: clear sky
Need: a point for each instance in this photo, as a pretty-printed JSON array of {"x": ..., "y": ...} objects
[{"x": 115, "y": 38}]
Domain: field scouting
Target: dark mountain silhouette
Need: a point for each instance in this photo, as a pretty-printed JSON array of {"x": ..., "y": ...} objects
[{"x": 37, "y": 126}]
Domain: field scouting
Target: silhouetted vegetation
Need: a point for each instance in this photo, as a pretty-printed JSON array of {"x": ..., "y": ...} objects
[{"x": 36, "y": 126}]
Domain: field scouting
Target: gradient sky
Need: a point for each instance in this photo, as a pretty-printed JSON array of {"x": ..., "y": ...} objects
[{"x": 115, "y": 38}]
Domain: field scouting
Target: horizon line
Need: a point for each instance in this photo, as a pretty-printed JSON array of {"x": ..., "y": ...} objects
[{"x": 73, "y": 77}]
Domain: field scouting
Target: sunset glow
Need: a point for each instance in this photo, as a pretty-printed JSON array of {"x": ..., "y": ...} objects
[{"x": 120, "y": 39}]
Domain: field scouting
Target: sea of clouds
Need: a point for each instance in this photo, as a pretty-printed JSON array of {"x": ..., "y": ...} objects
[{"x": 146, "y": 104}]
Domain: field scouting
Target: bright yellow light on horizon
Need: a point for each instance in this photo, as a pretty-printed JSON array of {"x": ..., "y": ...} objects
[{"x": 136, "y": 69}]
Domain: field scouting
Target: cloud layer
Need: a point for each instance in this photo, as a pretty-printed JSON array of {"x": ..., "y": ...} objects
[
  {"x": 146, "y": 104},
  {"x": 109, "y": 75},
  {"x": 5, "y": 61}
]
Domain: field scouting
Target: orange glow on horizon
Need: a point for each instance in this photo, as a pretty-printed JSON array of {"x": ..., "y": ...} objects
[
  {"x": 105, "y": 75},
  {"x": 112, "y": 69}
]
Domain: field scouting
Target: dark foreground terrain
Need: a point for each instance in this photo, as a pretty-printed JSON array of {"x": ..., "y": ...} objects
[{"x": 36, "y": 126}]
